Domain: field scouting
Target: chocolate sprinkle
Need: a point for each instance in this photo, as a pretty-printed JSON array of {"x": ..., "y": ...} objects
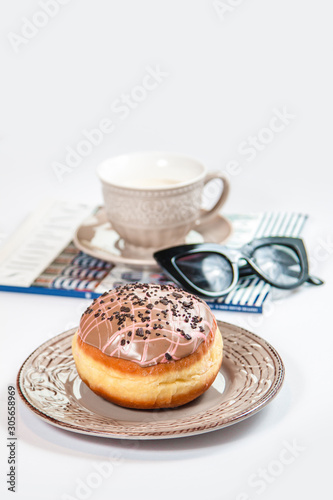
[
  {"x": 125, "y": 309},
  {"x": 139, "y": 332}
]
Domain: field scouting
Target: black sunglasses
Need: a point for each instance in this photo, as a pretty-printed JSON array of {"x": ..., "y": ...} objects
[{"x": 213, "y": 270}]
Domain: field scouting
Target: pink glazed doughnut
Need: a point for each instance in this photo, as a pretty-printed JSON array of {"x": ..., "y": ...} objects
[{"x": 148, "y": 346}]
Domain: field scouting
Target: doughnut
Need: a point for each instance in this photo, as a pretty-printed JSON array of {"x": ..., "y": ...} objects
[{"x": 148, "y": 346}]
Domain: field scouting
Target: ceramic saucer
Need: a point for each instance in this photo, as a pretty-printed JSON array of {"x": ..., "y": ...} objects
[{"x": 97, "y": 238}]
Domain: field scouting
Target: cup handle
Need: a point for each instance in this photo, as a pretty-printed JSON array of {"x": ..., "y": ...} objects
[{"x": 205, "y": 215}]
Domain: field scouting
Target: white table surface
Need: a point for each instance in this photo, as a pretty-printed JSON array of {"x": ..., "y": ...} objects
[{"x": 226, "y": 76}]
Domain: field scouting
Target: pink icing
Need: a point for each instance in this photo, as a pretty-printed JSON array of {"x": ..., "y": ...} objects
[{"x": 147, "y": 324}]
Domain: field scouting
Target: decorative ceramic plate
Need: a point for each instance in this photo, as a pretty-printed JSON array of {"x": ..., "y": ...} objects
[
  {"x": 251, "y": 375},
  {"x": 97, "y": 238}
]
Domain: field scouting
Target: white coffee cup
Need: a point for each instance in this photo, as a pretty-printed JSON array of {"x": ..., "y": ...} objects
[{"x": 153, "y": 199}]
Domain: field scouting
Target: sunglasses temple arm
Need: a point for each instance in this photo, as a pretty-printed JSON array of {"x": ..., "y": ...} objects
[{"x": 315, "y": 281}]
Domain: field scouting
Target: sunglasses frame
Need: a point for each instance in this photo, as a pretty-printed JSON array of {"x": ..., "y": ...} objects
[{"x": 167, "y": 258}]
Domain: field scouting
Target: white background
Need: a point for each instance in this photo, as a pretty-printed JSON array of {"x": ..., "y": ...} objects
[{"x": 226, "y": 74}]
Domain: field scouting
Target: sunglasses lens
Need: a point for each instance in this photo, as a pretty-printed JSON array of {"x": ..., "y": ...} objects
[
  {"x": 279, "y": 263},
  {"x": 208, "y": 271}
]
